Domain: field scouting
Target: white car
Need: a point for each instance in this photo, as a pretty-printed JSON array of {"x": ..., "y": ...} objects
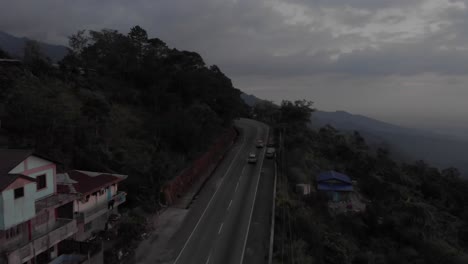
[
  {"x": 252, "y": 158},
  {"x": 270, "y": 153}
]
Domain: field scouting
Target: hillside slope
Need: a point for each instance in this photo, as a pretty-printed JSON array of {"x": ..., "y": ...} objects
[
  {"x": 440, "y": 150},
  {"x": 123, "y": 103},
  {"x": 398, "y": 212},
  {"x": 405, "y": 143}
]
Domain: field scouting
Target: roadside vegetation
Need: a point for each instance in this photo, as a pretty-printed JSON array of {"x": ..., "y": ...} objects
[
  {"x": 415, "y": 212},
  {"x": 116, "y": 102},
  {"x": 123, "y": 103}
]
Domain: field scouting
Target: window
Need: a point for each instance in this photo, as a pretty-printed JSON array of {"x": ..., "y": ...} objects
[
  {"x": 41, "y": 182},
  {"x": 19, "y": 192},
  {"x": 13, "y": 232}
]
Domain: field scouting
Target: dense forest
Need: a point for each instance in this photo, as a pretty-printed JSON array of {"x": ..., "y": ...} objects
[
  {"x": 415, "y": 213},
  {"x": 118, "y": 103}
]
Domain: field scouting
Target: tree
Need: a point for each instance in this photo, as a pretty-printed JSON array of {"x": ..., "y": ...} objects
[
  {"x": 138, "y": 36},
  {"x": 296, "y": 113},
  {"x": 37, "y": 61},
  {"x": 266, "y": 111},
  {"x": 4, "y": 55},
  {"x": 139, "y": 39},
  {"x": 78, "y": 41}
]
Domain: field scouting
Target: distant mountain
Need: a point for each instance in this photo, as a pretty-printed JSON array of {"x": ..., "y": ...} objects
[
  {"x": 249, "y": 99},
  {"x": 406, "y": 143},
  {"x": 15, "y": 46},
  {"x": 438, "y": 149}
]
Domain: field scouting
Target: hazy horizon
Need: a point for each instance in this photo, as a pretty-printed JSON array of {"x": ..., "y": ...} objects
[{"x": 403, "y": 62}]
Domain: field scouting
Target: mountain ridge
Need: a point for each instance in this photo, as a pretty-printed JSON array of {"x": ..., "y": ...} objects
[
  {"x": 406, "y": 143},
  {"x": 14, "y": 46}
]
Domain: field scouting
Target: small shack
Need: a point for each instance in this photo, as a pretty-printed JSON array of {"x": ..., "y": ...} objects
[
  {"x": 303, "y": 189},
  {"x": 337, "y": 186}
]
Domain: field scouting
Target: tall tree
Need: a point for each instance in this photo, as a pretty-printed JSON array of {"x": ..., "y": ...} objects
[
  {"x": 4, "y": 55},
  {"x": 78, "y": 41},
  {"x": 35, "y": 59}
]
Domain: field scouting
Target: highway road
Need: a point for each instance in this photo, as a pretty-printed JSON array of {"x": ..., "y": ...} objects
[{"x": 229, "y": 222}]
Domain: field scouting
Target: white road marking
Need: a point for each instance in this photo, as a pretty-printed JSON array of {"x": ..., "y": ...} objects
[
  {"x": 253, "y": 204},
  {"x": 237, "y": 185},
  {"x": 229, "y": 206},
  {"x": 208, "y": 260},
  {"x": 220, "y": 228},
  {"x": 209, "y": 203}
]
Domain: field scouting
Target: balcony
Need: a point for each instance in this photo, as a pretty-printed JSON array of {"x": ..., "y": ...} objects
[
  {"x": 69, "y": 259},
  {"x": 54, "y": 201},
  {"x": 102, "y": 208},
  {"x": 41, "y": 241},
  {"x": 75, "y": 252}
]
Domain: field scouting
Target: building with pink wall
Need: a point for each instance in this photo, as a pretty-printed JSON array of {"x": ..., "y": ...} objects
[
  {"x": 43, "y": 219},
  {"x": 34, "y": 218}
]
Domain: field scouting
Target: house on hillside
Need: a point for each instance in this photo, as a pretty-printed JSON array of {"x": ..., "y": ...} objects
[
  {"x": 303, "y": 189},
  {"x": 337, "y": 186},
  {"x": 34, "y": 218},
  {"x": 47, "y": 217},
  {"x": 99, "y": 198}
]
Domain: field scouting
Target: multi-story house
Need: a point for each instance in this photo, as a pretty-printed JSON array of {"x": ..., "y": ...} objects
[
  {"x": 45, "y": 217},
  {"x": 34, "y": 218},
  {"x": 98, "y": 199}
]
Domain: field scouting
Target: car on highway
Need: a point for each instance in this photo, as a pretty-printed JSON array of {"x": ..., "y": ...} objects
[
  {"x": 260, "y": 143},
  {"x": 270, "y": 153},
  {"x": 252, "y": 158}
]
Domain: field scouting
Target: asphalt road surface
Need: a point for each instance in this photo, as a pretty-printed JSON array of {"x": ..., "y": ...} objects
[{"x": 229, "y": 222}]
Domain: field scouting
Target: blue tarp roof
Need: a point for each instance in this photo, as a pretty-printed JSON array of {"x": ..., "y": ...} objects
[
  {"x": 333, "y": 175},
  {"x": 334, "y": 187}
]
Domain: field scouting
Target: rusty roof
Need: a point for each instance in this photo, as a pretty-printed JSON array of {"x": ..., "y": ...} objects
[{"x": 88, "y": 184}]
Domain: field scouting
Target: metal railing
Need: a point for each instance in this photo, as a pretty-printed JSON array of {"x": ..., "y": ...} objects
[
  {"x": 44, "y": 239},
  {"x": 101, "y": 208}
]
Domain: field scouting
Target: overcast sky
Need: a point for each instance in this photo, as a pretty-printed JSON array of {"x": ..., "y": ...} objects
[{"x": 402, "y": 61}]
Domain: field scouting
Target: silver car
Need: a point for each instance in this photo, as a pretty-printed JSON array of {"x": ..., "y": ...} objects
[{"x": 252, "y": 158}]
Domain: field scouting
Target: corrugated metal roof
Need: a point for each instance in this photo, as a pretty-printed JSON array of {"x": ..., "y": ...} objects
[
  {"x": 333, "y": 175},
  {"x": 90, "y": 183}
]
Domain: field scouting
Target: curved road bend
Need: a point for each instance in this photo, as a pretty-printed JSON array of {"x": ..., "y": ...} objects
[{"x": 223, "y": 224}]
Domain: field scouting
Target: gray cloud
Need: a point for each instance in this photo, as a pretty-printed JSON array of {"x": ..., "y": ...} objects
[{"x": 290, "y": 43}]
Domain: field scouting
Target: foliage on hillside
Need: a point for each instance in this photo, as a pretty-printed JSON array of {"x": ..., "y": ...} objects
[
  {"x": 416, "y": 213},
  {"x": 123, "y": 103},
  {"x": 4, "y": 54}
]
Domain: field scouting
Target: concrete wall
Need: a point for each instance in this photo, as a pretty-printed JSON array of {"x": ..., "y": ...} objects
[
  {"x": 96, "y": 225},
  {"x": 22, "y": 237},
  {"x": 19, "y": 168},
  {"x": 34, "y": 166},
  {"x": 95, "y": 200},
  {"x": 16, "y": 211},
  {"x": 2, "y": 215},
  {"x": 50, "y": 186},
  {"x": 38, "y": 225}
]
